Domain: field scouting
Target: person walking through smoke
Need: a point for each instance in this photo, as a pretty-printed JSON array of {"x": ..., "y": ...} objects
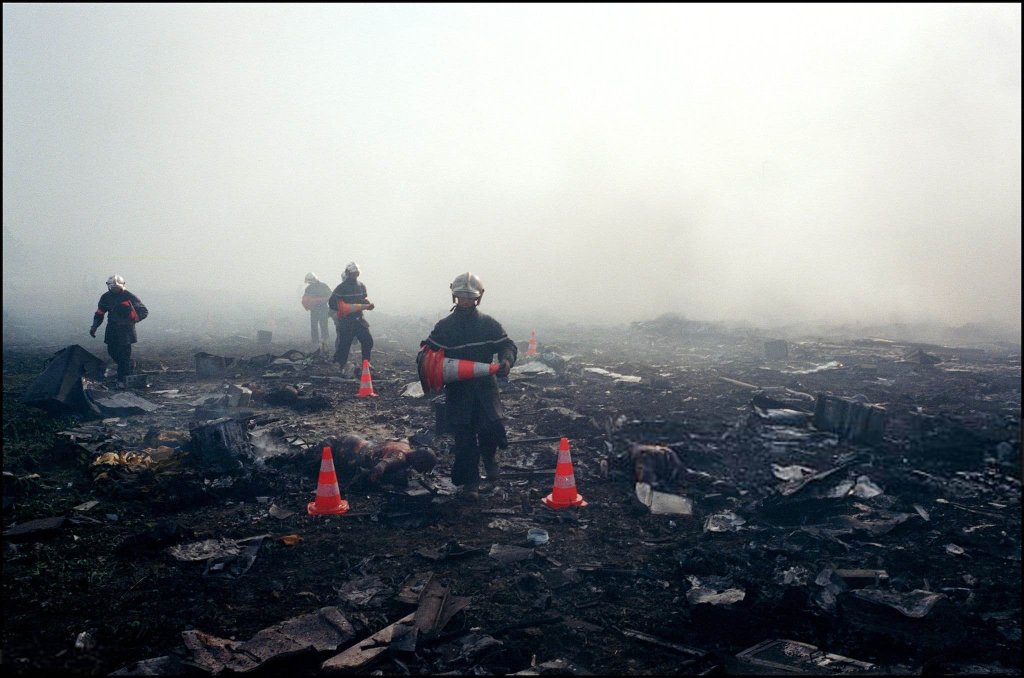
[
  {"x": 125, "y": 310},
  {"x": 473, "y": 409},
  {"x": 314, "y": 300},
  {"x": 352, "y": 326}
]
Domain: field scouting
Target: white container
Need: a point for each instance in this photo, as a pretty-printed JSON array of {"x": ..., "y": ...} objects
[{"x": 537, "y": 536}]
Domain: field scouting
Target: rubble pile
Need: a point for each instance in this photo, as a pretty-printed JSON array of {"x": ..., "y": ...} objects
[{"x": 753, "y": 505}]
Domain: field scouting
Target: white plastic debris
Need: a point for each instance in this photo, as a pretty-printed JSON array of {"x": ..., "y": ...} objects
[
  {"x": 708, "y": 593},
  {"x": 84, "y": 641},
  {"x": 413, "y": 390},
  {"x": 794, "y": 472},
  {"x": 535, "y": 367},
  {"x": 865, "y": 489},
  {"x": 726, "y": 521},
  {"x": 663, "y": 503},
  {"x": 612, "y": 375},
  {"x": 830, "y": 365}
]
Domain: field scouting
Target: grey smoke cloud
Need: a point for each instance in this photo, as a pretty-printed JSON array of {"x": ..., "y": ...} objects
[{"x": 768, "y": 163}]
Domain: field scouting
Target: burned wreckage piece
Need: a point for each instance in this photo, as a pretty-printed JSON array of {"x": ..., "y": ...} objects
[
  {"x": 59, "y": 388},
  {"x": 222, "y": 444},
  {"x": 850, "y": 418},
  {"x": 320, "y": 631},
  {"x": 120, "y": 404},
  {"x": 71, "y": 384},
  {"x": 787, "y": 657},
  {"x": 657, "y": 466},
  {"x": 817, "y": 550}
]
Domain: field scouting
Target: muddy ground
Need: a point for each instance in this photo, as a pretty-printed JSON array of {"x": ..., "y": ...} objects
[{"x": 616, "y": 590}]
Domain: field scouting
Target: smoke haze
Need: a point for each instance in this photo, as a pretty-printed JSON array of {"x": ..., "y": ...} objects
[{"x": 605, "y": 163}]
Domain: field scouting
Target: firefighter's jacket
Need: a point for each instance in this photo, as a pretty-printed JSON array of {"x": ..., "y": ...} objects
[
  {"x": 471, "y": 335},
  {"x": 122, "y": 310},
  {"x": 351, "y": 291},
  {"x": 316, "y": 296}
]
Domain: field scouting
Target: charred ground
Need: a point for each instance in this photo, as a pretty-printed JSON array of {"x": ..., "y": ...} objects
[{"x": 947, "y": 520}]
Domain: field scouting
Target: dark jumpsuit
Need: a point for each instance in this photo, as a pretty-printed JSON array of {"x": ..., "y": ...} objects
[
  {"x": 352, "y": 326},
  {"x": 473, "y": 410},
  {"x": 124, "y": 309}
]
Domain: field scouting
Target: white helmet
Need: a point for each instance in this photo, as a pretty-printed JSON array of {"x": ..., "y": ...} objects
[
  {"x": 467, "y": 285},
  {"x": 115, "y": 282},
  {"x": 311, "y": 278},
  {"x": 350, "y": 268}
]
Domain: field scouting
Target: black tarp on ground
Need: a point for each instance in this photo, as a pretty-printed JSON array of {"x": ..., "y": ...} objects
[{"x": 59, "y": 388}]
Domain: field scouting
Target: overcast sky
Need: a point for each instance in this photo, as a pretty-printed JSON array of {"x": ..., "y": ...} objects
[{"x": 848, "y": 163}]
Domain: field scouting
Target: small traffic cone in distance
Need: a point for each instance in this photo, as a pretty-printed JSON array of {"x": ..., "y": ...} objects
[
  {"x": 563, "y": 494},
  {"x": 531, "y": 347},
  {"x": 365, "y": 383},
  {"x": 328, "y": 496}
]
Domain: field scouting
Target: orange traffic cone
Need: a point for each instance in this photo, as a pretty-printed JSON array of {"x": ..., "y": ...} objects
[
  {"x": 365, "y": 383},
  {"x": 457, "y": 369},
  {"x": 344, "y": 308},
  {"x": 563, "y": 494},
  {"x": 436, "y": 370},
  {"x": 328, "y": 496},
  {"x": 531, "y": 347}
]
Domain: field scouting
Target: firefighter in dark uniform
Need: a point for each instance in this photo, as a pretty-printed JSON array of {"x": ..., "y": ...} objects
[
  {"x": 473, "y": 410},
  {"x": 125, "y": 310},
  {"x": 351, "y": 326}
]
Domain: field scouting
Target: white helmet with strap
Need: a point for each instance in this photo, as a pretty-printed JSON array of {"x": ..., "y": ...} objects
[
  {"x": 115, "y": 282},
  {"x": 311, "y": 278},
  {"x": 468, "y": 286}
]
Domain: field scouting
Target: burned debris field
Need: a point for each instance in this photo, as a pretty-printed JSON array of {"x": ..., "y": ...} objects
[{"x": 814, "y": 505}]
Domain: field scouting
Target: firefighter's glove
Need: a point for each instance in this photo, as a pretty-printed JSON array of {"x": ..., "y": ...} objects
[
  {"x": 503, "y": 370},
  {"x": 369, "y": 307},
  {"x": 92, "y": 331}
]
